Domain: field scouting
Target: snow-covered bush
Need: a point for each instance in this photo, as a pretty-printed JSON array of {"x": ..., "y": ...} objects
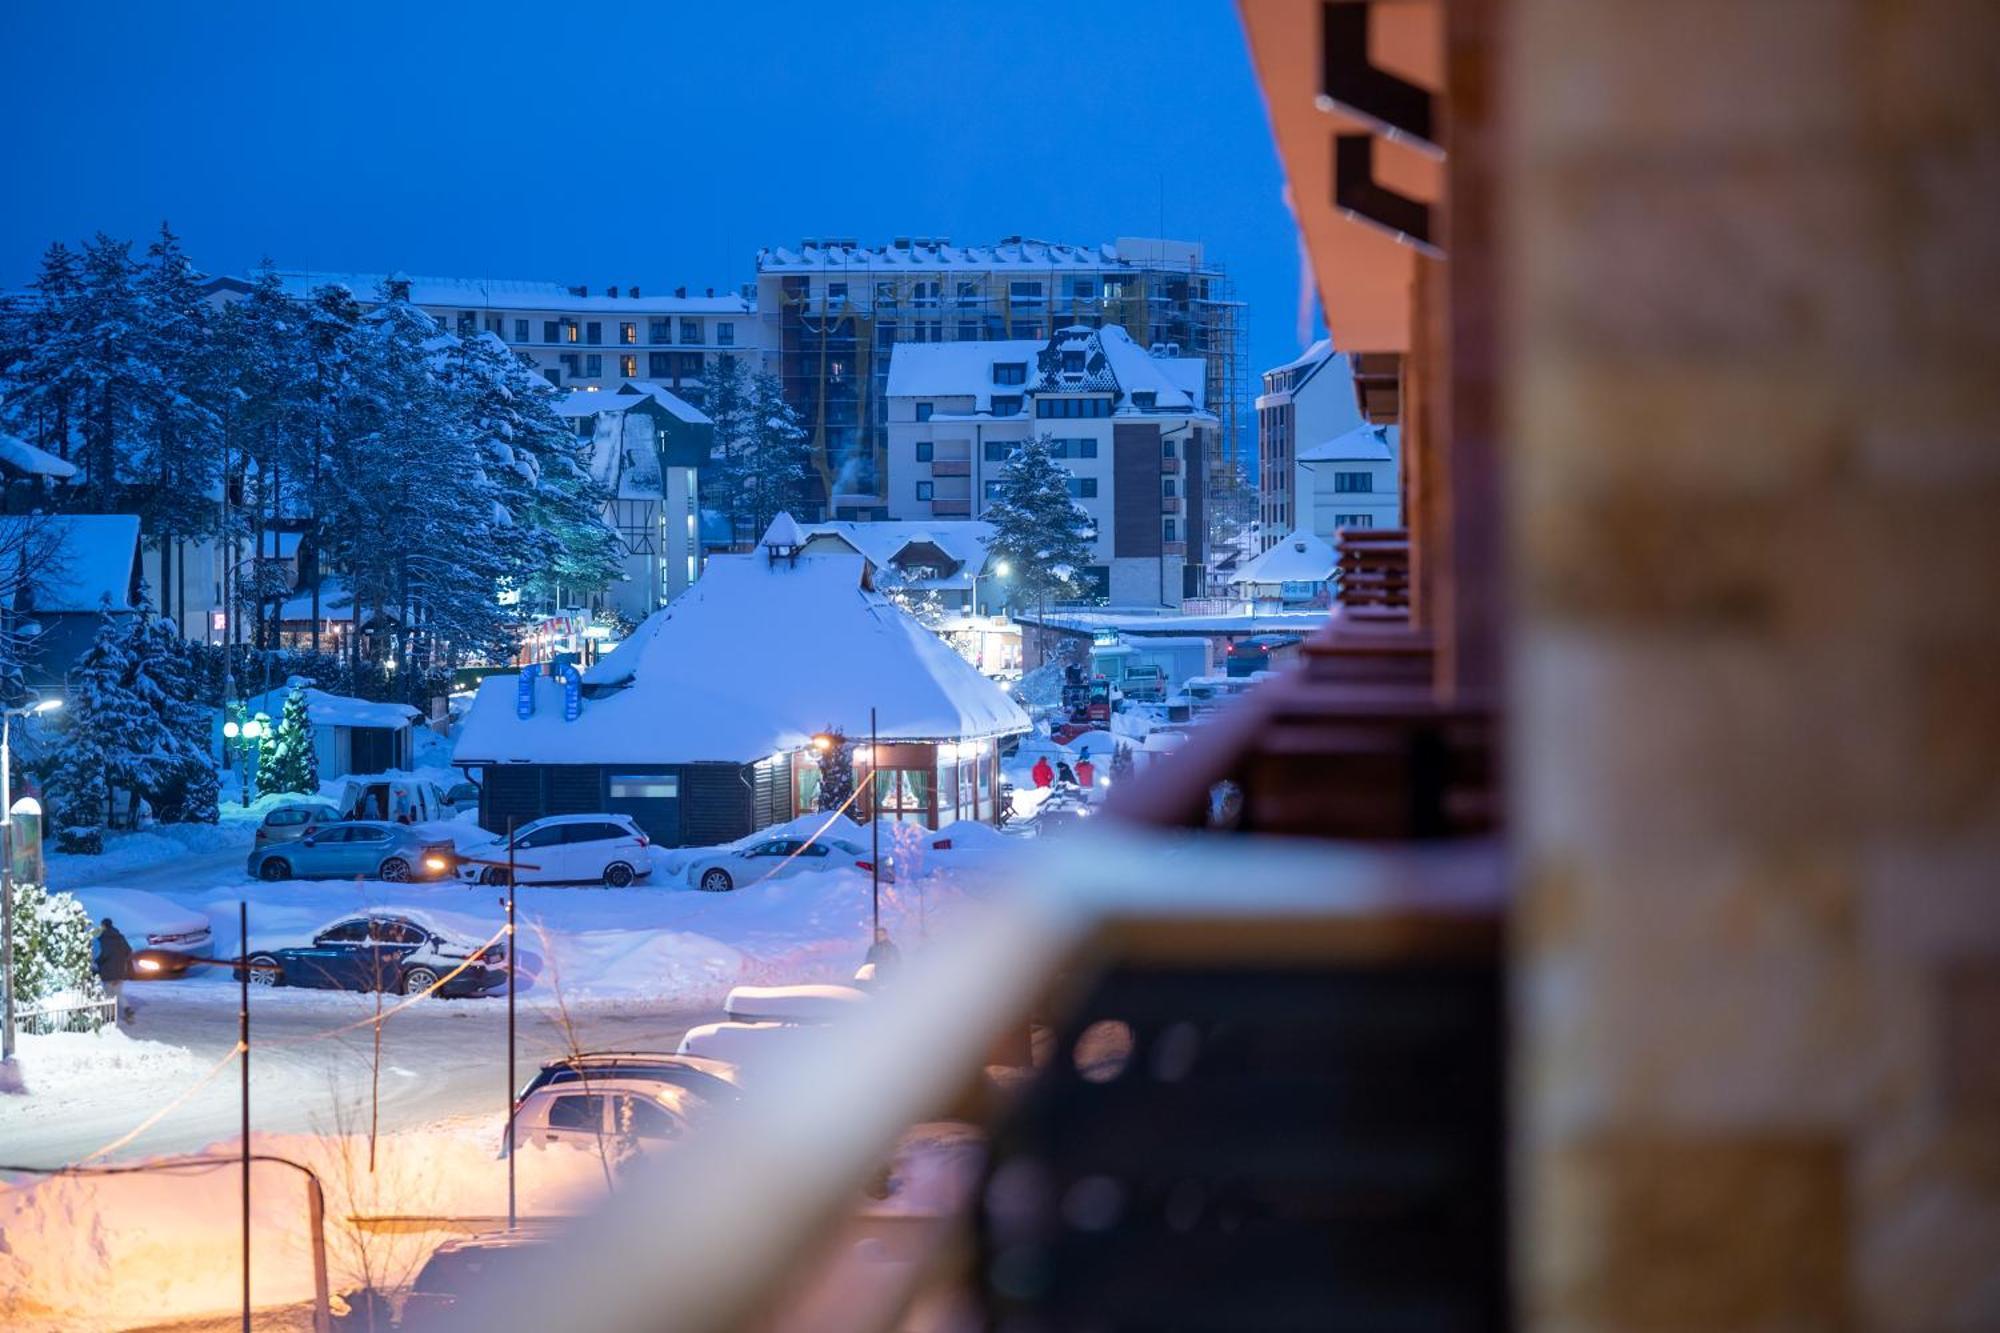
[
  {"x": 51, "y": 946},
  {"x": 290, "y": 760}
]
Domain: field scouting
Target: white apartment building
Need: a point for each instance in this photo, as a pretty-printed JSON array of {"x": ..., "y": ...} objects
[
  {"x": 1305, "y": 402},
  {"x": 1350, "y": 481},
  {"x": 579, "y": 337},
  {"x": 1133, "y": 428}
]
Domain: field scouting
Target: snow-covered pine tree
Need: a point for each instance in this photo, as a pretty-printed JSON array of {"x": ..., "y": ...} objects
[
  {"x": 52, "y": 934},
  {"x": 90, "y": 754},
  {"x": 178, "y": 778},
  {"x": 725, "y": 483},
  {"x": 290, "y": 761},
  {"x": 780, "y": 454},
  {"x": 1043, "y": 534},
  {"x": 112, "y": 343},
  {"x": 178, "y": 403},
  {"x": 46, "y": 400},
  {"x": 836, "y": 773}
]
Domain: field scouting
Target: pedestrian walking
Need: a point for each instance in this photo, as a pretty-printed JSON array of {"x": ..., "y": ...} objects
[{"x": 111, "y": 957}]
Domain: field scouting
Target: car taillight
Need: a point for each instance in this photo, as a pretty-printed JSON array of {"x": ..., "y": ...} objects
[
  {"x": 494, "y": 953},
  {"x": 864, "y": 865},
  {"x": 642, "y": 840}
]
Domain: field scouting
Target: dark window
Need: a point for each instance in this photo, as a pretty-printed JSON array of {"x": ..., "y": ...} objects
[
  {"x": 593, "y": 333},
  {"x": 690, "y": 330},
  {"x": 642, "y": 1119},
  {"x": 690, "y": 365},
  {"x": 520, "y": 330},
  {"x": 1072, "y": 360},
  {"x": 591, "y": 832},
  {"x": 347, "y": 932},
  {"x": 659, "y": 331},
  {"x": 1006, "y": 406},
  {"x": 553, "y": 376},
  {"x": 1010, "y": 372},
  {"x": 548, "y": 835},
  {"x": 593, "y": 366},
  {"x": 968, "y": 330},
  {"x": 1353, "y": 483},
  {"x": 659, "y": 364},
  {"x": 1353, "y": 521},
  {"x": 992, "y": 490},
  {"x": 725, "y": 334},
  {"x": 571, "y": 360},
  {"x": 1168, "y": 529},
  {"x": 924, "y": 451},
  {"x": 1083, "y": 488},
  {"x": 1145, "y": 398},
  {"x": 924, "y": 490},
  {"x": 577, "y": 1110},
  {"x": 551, "y": 331},
  {"x": 924, "y": 411}
]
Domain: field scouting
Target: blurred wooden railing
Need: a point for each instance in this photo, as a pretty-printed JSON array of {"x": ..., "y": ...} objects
[{"x": 1305, "y": 1129}]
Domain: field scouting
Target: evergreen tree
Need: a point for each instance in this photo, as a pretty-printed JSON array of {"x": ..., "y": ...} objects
[
  {"x": 48, "y": 385},
  {"x": 113, "y": 346},
  {"x": 181, "y": 422},
  {"x": 725, "y": 482},
  {"x": 290, "y": 761},
  {"x": 89, "y": 755},
  {"x": 779, "y": 457},
  {"x": 177, "y": 777},
  {"x": 836, "y": 773},
  {"x": 1038, "y": 529},
  {"x": 52, "y": 934}
]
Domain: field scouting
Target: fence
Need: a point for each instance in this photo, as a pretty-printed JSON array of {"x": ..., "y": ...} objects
[{"x": 40, "y": 1020}]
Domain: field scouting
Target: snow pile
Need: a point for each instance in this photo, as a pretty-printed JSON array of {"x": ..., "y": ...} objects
[{"x": 72, "y": 1069}]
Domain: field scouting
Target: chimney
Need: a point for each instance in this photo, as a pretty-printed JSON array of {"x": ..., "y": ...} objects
[
  {"x": 579, "y": 291},
  {"x": 680, "y": 293},
  {"x": 711, "y": 291},
  {"x": 635, "y": 291},
  {"x": 611, "y": 292}
]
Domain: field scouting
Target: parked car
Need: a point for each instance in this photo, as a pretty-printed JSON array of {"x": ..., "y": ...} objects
[
  {"x": 166, "y": 938},
  {"x": 627, "y": 1113},
  {"x": 712, "y": 1081},
  {"x": 565, "y": 849},
  {"x": 365, "y": 848},
  {"x": 289, "y": 822},
  {"x": 805, "y": 1005},
  {"x": 455, "y": 1270},
  {"x": 462, "y": 796},
  {"x": 382, "y": 951},
  {"x": 727, "y": 868}
]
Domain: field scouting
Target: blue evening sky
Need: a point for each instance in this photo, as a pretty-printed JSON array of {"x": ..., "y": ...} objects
[{"x": 643, "y": 142}]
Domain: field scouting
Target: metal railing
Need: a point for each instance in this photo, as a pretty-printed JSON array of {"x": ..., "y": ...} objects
[{"x": 41, "y": 1020}]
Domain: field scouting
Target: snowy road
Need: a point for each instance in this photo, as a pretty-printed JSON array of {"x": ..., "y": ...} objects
[{"x": 439, "y": 1060}]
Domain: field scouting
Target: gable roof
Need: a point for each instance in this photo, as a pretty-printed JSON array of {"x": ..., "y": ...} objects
[
  {"x": 1113, "y": 363},
  {"x": 1300, "y": 557},
  {"x": 1368, "y": 444},
  {"x": 754, "y": 659},
  {"x": 965, "y": 540}
]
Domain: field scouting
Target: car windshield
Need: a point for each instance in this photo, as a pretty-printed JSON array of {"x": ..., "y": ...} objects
[{"x": 459, "y": 1272}]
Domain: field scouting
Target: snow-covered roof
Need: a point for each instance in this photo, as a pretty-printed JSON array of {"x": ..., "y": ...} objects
[
  {"x": 966, "y": 369},
  {"x": 1015, "y": 252},
  {"x": 592, "y": 402},
  {"x": 756, "y": 658},
  {"x": 1363, "y": 444},
  {"x": 24, "y": 457},
  {"x": 89, "y": 558},
  {"x": 1301, "y": 557},
  {"x": 965, "y": 540},
  {"x": 513, "y": 294},
  {"x": 338, "y": 710},
  {"x": 1312, "y": 356}
]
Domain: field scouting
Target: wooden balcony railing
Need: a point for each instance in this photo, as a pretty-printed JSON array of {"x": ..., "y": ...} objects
[
  {"x": 943, "y": 508},
  {"x": 951, "y": 467},
  {"x": 1268, "y": 1093}
]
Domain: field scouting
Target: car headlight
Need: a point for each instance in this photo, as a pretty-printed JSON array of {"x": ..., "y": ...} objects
[
  {"x": 435, "y": 864},
  {"x": 145, "y": 964}
]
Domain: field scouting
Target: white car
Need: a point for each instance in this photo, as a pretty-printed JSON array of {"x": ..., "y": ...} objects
[
  {"x": 727, "y": 868},
  {"x": 620, "y": 1113},
  {"x": 166, "y": 938},
  {"x": 565, "y": 849}
]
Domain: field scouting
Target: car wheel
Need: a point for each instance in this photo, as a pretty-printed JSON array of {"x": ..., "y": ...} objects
[
  {"x": 618, "y": 874},
  {"x": 493, "y": 875},
  {"x": 716, "y": 880},
  {"x": 418, "y": 979},
  {"x": 274, "y": 869},
  {"x": 264, "y": 970},
  {"x": 396, "y": 870}
]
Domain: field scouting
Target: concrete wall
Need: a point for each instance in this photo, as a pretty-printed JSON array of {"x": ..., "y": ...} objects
[{"x": 1756, "y": 541}]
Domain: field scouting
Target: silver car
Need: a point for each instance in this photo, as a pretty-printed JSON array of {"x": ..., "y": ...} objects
[{"x": 356, "y": 849}]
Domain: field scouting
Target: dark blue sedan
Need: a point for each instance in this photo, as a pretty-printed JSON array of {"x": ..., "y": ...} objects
[{"x": 386, "y": 953}]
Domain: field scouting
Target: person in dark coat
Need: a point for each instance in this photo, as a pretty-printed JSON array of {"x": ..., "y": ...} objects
[
  {"x": 884, "y": 954},
  {"x": 1064, "y": 773},
  {"x": 1042, "y": 773},
  {"x": 111, "y": 955}
]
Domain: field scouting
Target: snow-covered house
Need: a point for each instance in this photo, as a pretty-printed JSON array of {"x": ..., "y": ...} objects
[
  {"x": 647, "y": 446},
  {"x": 1307, "y": 400},
  {"x": 349, "y": 735},
  {"x": 1297, "y": 573},
  {"x": 75, "y": 567},
  {"x": 701, "y": 724},
  {"x": 943, "y": 556},
  {"x": 26, "y": 470},
  {"x": 1349, "y": 481}
]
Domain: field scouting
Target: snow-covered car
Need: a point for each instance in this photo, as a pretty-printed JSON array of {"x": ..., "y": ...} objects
[
  {"x": 166, "y": 938},
  {"x": 711, "y": 1081},
  {"x": 386, "y": 951},
  {"x": 748, "y": 1046},
  {"x": 622, "y": 1113},
  {"x": 776, "y": 858},
  {"x": 674, "y": 861},
  {"x": 564, "y": 849},
  {"x": 289, "y": 821},
  {"x": 355, "y": 848},
  {"x": 455, "y": 1270}
]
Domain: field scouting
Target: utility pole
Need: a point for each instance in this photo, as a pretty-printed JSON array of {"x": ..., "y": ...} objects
[
  {"x": 243, "y": 1037},
  {"x": 874, "y": 826},
  {"x": 511, "y": 1145}
]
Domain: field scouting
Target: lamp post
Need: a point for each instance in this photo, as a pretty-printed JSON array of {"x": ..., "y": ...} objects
[
  {"x": 7, "y": 717},
  {"x": 248, "y": 731}
]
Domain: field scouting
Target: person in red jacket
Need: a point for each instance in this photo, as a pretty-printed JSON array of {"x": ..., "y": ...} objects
[
  {"x": 1086, "y": 772},
  {"x": 1042, "y": 773}
]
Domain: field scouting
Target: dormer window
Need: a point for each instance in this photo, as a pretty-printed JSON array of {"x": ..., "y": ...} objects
[
  {"x": 1010, "y": 372},
  {"x": 1145, "y": 398},
  {"x": 1072, "y": 361}
]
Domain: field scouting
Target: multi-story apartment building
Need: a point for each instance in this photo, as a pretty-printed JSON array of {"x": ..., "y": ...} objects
[
  {"x": 1305, "y": 402},
  {"x": 578, "y": 337},
  {"x": 834, "y": 311},
  {"x": 1132, "y": 427},
  {"x": 1349, "y": 481}
]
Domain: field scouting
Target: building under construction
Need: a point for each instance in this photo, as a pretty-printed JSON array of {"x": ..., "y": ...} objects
[{"x": 833, "y": 311}]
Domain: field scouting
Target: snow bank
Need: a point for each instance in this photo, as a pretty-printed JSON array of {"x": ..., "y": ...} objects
[{"x": 72, "y": 1069}]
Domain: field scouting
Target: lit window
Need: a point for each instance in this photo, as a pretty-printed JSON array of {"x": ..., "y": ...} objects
[
  {"x": 628, "y": 366},
  {"x": 628, "y": 333}
]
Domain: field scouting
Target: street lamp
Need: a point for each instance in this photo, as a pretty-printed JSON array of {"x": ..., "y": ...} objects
[
  {"x": 249, "y": 731},
  {"x": 7, "y": 717}
]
